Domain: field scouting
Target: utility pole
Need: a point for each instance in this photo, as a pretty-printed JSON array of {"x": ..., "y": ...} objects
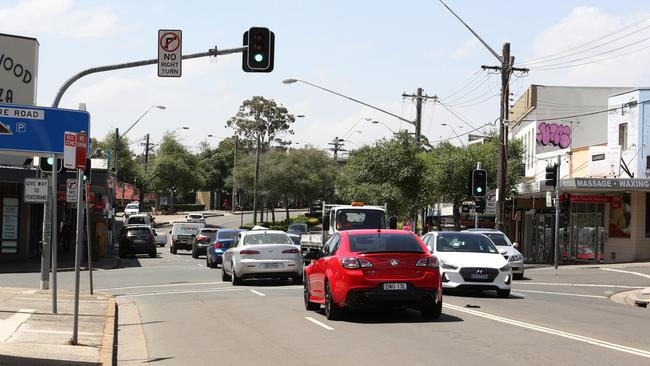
[
  {"x": 143, "y": 187},
  {"x": 337, "y": 144},
  {"x": 234, "y": 164},
  {"x": 114, "y": 202},
  {"x": 556, "y": 254},
  {"x": 257, "y": 172}
]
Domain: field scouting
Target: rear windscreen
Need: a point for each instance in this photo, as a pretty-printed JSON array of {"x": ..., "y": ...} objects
[
  {"x": 136, "y": 220},
  {"x": 208, "y": 232},
  {"x": 369, "y": 243},
  {"x": 138, "y": 232},
  {"x": 227, "y": 235},
  {"x": 267, "y": 239}
]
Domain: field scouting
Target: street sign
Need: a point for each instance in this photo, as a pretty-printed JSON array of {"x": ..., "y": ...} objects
[
  {"x": 169, "y": 53},
  {"x": 81, "y": 150},
  {"x": 549, "y": 200},
  {"x": 71, "y": 188},
  {"x": 39, "y": 130},
  {"x": 491, "y": 203},
  {"x": 18, "y": 69},
  {"x": 69, "y": 149},
  {"x": 36, "y": 190}
]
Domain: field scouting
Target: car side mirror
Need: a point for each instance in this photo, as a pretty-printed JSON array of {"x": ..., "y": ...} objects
[
  {"x": 503, "y": 252},
  {"x": 311, "y": 255},
  {"x": 515, "y": 244}
]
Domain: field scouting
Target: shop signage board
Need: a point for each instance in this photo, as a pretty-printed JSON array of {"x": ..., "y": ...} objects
[
  {"x": 39, "y": 130},
  {"x": 604, "y": 184},
  {"x": 36, "y": 190},
  {"x": 18, "y": 69}
]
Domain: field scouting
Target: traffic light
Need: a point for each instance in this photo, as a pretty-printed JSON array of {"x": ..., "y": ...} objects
[
  {"x": 258, "y": 55},
  {"x": 87, "y": 171},
  {"x": 479, "y": 205},
  {"x": 45, "y": 164},
  {"x": 551, "y": 175},
  {"x": 479, "y": 183}
]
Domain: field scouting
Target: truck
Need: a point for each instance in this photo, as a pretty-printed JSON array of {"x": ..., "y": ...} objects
[
  {"x": 337, "y": 217},
  {"x": 182, "y": 235}
]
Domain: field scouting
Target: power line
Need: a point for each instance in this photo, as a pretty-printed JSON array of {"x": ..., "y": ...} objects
[
  {"x": 455, "y": 114},
  {"x": 587, "y": 114},
  {"x": 465, "y": 85},
  {"x": 592, "y": 62}
]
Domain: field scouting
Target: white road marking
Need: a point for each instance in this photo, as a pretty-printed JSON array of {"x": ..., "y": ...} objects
[
  {"x": 8, "y": 326},
  {"x": 576, "y": 285},
  {"x": 628, "y": 272},
  {"x": 319, "y": 323},
  {"x": 518, "y": 294},
  {"x": 58, "y": 332},
  {"x": 563, "y": 294},
  {"x": 165, "y": 285},
  {"x": 182, "y": 292},
  {"x": 551, "y": 331},
  {"x": 257, "y": 293},
  {"x": 199, "y": 264}
]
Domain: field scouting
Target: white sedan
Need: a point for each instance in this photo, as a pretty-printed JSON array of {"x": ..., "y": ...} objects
[
  {"x": 262, "y": 254},
  {"x": 502, "y": 242},
  {"x": 469, "y": 261}
]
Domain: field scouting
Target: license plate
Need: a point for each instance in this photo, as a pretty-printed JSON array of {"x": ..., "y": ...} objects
[
  {"x": 271, "y": 265},
  {"x": 139, "y": 241},
  {"x": 394, "y": 286},
  {"x": 479, "y": 276}
]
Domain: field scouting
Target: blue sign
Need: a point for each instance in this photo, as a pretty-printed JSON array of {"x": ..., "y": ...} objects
[{"x": 39, "y": 130}]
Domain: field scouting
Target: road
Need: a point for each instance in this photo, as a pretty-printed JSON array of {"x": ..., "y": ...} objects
[{"x": 188, "y": 316}]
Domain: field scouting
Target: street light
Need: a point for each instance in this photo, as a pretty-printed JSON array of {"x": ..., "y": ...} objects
[
  {"x": 385, "y": 125},
  {"x": 143, "y": 114},
  {"x": 454, "y": 131},
  {"x": 180, "y": 128}
]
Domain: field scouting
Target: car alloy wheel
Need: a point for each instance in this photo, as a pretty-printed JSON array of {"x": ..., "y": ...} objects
[
  {"x": 236, "y": 281},
  {"x": 332, "y": 312},
  {"x": 224, "y": 275}
]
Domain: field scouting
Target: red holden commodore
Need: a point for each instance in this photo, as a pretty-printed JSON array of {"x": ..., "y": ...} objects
[{"x": 361, "y": 268}]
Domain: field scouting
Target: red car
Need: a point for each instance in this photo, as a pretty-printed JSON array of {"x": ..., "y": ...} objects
[{"x": 361, "y": 268}]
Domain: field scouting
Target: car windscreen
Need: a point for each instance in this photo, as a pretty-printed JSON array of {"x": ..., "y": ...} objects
[
  {"x": 499, "y": 239},
  {"x": 227, "y": 234},
  {"x": 373, "y": 243},
  {"x": 463, "y": 242},
  {"x": 297, "y": 228},
  {"x": 350, "y": 219},
  {"x": 132, "y": 206},
  {"x": 208, "y": 232},
  {"x": 138, "y": 232},
  {"x": 136, "y": 220},
  {"x": 267, "y": 239}
]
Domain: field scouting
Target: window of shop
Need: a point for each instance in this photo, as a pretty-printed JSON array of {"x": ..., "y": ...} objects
[
  {"x": 622, "y": 135},
  {"x": 9, "y": 218}
]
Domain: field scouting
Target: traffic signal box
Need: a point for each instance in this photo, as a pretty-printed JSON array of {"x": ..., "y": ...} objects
[
  {"x": 259, "y": 52},
  {"x": 45, "y": 164},
  {"x": 479, "y": 183},
  {"x": 479, "y": 205},
  {"x": 551, "y": 176}
]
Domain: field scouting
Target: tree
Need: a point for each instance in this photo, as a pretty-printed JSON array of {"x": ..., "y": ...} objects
[
  {"x": 391, "y": 171},
  {"x": 215, "y": 165},
  {"x": 128, "y": 170}
]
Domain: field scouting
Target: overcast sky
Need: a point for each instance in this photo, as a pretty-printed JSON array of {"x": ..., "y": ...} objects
[{"x": 369, "y": 50}]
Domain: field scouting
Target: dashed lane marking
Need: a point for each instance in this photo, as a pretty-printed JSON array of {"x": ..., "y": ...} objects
[
  {"x": 319, "y": 323},
  {"x": 257, "y": 293},
  {"x": 163, "y": 285},
  {"x": 576, "y": 285},
  {"x": 555, "y": 332}
]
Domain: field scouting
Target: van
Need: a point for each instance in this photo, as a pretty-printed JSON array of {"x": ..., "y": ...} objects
[{"x": 183, "y": 234}]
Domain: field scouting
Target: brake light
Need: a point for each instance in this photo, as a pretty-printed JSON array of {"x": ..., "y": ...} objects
[
  {"x": 291, "y": 251},
  {"x": 218, "y": 245},
  {"x": 249, "y": 251},
  {"x": 354, "y": 263},
  {"x": 431, "y": 262},
  {"x": 200, "y": 237}
]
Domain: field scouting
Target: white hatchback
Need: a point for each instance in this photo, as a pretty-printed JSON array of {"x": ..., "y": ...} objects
[
  {"x": 502, "y": 242},
  {"x": 195, "y": 217},
  {"x": 469, "y": 261}
]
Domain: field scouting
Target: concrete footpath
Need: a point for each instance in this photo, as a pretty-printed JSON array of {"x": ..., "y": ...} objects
[
  {"x": 639, "y": 298},
  {"x": 31, "y": 335}
]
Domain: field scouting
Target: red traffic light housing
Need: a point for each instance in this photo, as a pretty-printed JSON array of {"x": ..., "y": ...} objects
[{"x": 259, "y": 53}]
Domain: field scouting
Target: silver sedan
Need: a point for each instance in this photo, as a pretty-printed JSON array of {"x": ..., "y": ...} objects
[{"x": 262, "y": 254}]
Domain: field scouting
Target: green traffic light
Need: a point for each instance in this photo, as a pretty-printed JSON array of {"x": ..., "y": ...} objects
[
  {"x": 259, "y": 57},
  {"x": 50, "y": 161},
  {"x": 479, "y": 189}
]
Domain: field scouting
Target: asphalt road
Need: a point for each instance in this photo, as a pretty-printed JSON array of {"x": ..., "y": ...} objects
[{"x": 553, "y": 317}]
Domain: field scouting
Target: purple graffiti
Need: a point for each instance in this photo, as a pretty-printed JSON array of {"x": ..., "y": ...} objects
[{"x": 554, "y": 134}]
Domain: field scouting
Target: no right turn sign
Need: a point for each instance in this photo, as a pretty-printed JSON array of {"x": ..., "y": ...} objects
[{"x": 169, "y": 53}]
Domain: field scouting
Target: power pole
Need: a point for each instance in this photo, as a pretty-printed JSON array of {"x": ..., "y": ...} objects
[
  {"x": 257, "y": 172},
  {"x": 337, "y": 144},
  {"x": 558, "y": 208},
  {"x": 143, "y": 186},
  {"x": 114, "y": 205},
  {"x": 234, "y": 164},
  {"x": 506, "y": 70}
]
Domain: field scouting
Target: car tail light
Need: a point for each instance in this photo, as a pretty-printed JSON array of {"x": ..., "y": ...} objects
[
  {"x": 431, "y": 262},
  {"x": 200, "y": 237},
  {"x": 248, "y": 251},
  {"x": 354, "y": 263},
  {"x": 291, "y": 251},
  {"x": 218, "y": 245}
]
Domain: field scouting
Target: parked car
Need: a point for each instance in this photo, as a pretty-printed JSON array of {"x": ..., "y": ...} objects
[
  {"x": 160, "y": 237},
  {"x": 502, "y": 242},
  {"x": 137, "y": 239},
  {"x": 201, "y": 242},
  {"x": 221, "y": 242},
  {"x": 132, "y": 209},
  {"x": 298, "y": 228},
  {"x": 361, "y": 268},
  {"x": 261, "y": 254},
  {"x": 195, "y": 217},
  {"x": 470, "y": 261},
  {"x": 182, "y": 235},
  {"x": 140, "y": 219}
]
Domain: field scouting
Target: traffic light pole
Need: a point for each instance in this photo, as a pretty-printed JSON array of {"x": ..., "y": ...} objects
[
  {"x": 556, "y": 256},
  {"x": 478, "y": 166}
]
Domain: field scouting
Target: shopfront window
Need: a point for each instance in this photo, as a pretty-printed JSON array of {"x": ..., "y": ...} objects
[
  {"x": 588, "y": 233},
  {"x": 9, "y": 219}
]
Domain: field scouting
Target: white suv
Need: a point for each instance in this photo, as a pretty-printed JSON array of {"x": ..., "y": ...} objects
[
  {"x": 503, "y": 243},
  {"x": 195, "y": 217},
  {"x": 132, "y": 209}
]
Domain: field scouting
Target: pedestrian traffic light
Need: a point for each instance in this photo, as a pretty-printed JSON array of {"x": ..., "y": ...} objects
[
  {"x": 45, "y": 164},
  {"x": 87, "y": 171},
  {"x": 258, "y": 55},
  {"x": 551, "y": 175},
  {"x": 479, "y": 205},
  {"x": 479, "y": 183}
]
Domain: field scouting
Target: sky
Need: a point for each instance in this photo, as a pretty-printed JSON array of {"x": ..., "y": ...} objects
[{"x": 369, "y": 50}]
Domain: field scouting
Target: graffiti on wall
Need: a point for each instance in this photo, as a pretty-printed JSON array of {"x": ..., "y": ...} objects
[{"x": 553, "y": 134}]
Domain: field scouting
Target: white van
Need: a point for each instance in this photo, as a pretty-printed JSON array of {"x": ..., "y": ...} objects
[{"x": 182, "y": 235}]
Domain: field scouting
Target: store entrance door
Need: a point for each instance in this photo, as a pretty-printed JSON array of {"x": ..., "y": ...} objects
[{"x": 588, "y": 232}]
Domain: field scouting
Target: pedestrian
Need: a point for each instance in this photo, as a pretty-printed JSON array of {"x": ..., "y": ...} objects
[
  {"x": 64, "y": 236},
  {"x": 407, "y": 225},
  {"x": 226, "y": 204}
]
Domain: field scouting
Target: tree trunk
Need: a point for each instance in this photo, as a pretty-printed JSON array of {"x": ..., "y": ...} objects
[
  {"x": 457, "y": 216},
  {"x": 272, "y": 213},
  {"x": 261, "y": 211},
  {"x": 286, "y": 205}
]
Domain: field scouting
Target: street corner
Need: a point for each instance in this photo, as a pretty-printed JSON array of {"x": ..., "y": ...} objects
[{"x": 638, "y": 298}]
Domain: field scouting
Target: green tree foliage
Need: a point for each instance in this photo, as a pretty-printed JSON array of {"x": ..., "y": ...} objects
[
  {"x": 215, "y": 165},
  {"x": 175, "y": 167},
  {"x": 128, "y": 170},
  {"x": 262, "y": 117},
  {"x": 391, "y": 171}
]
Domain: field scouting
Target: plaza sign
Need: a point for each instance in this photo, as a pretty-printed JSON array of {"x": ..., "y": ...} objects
[{"x": 18, "y": 69}]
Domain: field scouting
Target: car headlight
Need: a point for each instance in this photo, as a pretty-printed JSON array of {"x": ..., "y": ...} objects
[
  {"x": 446, "y": 265},
  {"x": 515, "y": 258},
  {"x": 505, "y": 268}
]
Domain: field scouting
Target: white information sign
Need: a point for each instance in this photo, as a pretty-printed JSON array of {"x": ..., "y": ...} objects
[
  {"x": 18, "y": 69},
  {"x": 169, "y": 53},
  {"x": 69, "y": 150},
  {"x": 71, "y": 190},
  {"x": 490, "y": 203},
  {"x": 549, "y": 199},
  {"x": 36, "y": 190},
  {"x": 9, "y": 225}
]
